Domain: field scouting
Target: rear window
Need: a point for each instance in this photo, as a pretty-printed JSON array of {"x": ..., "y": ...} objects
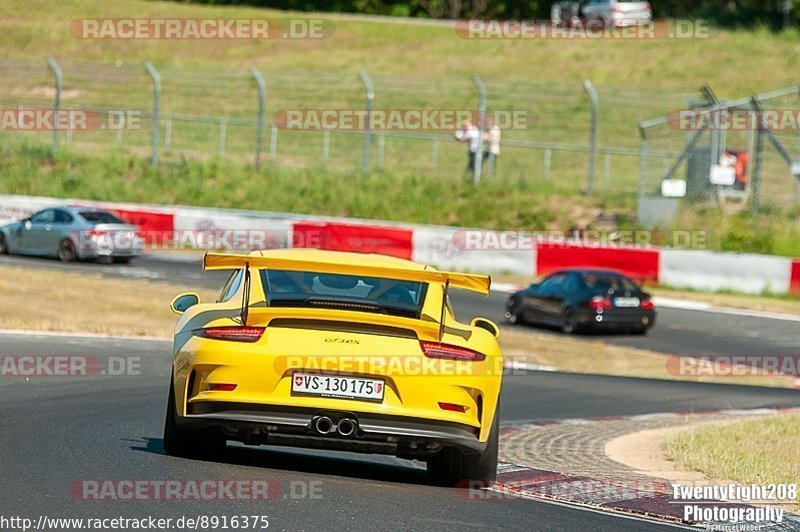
[
  {"x": 605, "y": 282},
  {"x": 100, "y": 217},
  {"x": 344, "y": 292}
]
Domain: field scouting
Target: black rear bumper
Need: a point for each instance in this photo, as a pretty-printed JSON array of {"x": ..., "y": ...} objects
[{"x": 293, "y": 426}]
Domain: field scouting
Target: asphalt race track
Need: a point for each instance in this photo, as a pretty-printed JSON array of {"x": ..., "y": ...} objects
[
  {"x": 58, "y": 430},
  {"x": 678, "y": 331}
]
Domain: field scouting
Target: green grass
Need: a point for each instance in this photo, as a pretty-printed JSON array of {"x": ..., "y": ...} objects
[
  {"x": 762, "y": 451},
  {"x": 122, "y": 177}
]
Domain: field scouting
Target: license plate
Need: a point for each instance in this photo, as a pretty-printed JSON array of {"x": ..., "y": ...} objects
[
  {"x": 338, "y": 387},
  {"x": 626, "y": 302}
]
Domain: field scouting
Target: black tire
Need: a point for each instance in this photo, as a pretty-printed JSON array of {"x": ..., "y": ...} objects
[
  {"x": 206, "y": 443},
  {"x": 66, "y": 251},
  {"x": 569, "y": 325},
  {"x": 3, "y": 245},
  {"x": 511, "y": 314},
  {"x": 450, "y": 467},
  {"x": 121, "y": 260},
  {"x": 640, "y": 331}
]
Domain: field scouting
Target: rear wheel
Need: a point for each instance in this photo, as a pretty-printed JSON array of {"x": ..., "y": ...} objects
[
  {"x": 639, "y": 330},
  {"x": 206, "y": 443},
  {"x": 511, "y": 314},
  {"x": 569, "y": 324},
  {"x": 450, "y": 466},
  {"x": 121, "y": 260},
  {"x": 66, "y": 251},
  {"x": 3, "y": 245}
]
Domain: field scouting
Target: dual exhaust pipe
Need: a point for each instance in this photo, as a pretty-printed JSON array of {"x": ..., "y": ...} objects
[{"x": 325, "y": 425}]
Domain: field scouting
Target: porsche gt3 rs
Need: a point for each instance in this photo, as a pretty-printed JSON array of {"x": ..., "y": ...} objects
[{"x": 337, "y": 351}]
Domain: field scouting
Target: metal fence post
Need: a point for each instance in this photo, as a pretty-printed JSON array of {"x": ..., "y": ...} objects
[
  {"x": 57, "y": 102},
  {"x": 262, "y": 96},
  {"x": 642, "y": 160},
  {"x": 370, "y": 95},
  {"x": 755, "y": 200},
  {"x": 435, "y": 153},
  {"x": 156, "y": 77},
  {"x": 607, "y": 169},
  {"x": 593, "y": 100},
  {"x": 476, "y": 174}
]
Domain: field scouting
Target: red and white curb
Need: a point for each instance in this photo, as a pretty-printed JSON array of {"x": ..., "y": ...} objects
[
  {"x": 463, "y": 249},
  {"x": 648, "y": 498}
]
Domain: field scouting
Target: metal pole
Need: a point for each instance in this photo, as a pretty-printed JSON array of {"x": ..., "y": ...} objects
[
  {"x": 435, "y": 153},
  {"x": 607, "y": 169},
  {"x": 370, "y": 95},
  {"x": 326, "y": 144},
  {"x": 57, "y": 102},
  {"x": 755, "y": 200},
  {"x": 593, "y": 100},
  {"x": 476, "y": 175},
  {"x": 156, "y": 92},
  {"x": 642, "y": 160},
  {"x": 262, "y": 96}
]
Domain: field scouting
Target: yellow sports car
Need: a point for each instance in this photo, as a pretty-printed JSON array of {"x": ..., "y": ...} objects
[{"x": 339, "y": 351}]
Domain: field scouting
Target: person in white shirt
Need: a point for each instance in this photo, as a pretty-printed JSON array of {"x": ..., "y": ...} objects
[
  {"x": 491, "y": 139},
  {"x": 470, "y": 134}
]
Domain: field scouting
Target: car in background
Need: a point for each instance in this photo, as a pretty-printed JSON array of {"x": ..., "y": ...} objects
[
  {"x": 611, "y": 13},
  {"x": 338, "y": 351},
  {"x": 71, "y": 233},
  {"x": 579, "y": 299}
]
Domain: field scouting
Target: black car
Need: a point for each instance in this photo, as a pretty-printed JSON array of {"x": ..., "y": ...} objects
[{"x": 580, "y": 299}]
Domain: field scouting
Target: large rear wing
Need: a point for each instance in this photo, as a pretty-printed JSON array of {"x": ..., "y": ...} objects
[{"x": 225, "y": 261}]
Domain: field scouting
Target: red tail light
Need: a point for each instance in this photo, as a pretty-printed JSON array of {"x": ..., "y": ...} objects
[
  {"x": 233, "y": 334},
  {"x": 452, "y": 407},
  {"x": 599, "y": 302},
  {"x": 450, "y": 352},
  {"x": 222, "y": 387},
  {"x": 647, "y": 304}
]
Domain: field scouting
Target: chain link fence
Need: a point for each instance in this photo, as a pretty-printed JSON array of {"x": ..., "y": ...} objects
[
  {"x": 742, "y": 154},
  {"x": 575, "y": 136}
]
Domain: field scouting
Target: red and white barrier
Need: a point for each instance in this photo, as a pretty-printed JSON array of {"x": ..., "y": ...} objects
[{"x": 445, "y": 247}]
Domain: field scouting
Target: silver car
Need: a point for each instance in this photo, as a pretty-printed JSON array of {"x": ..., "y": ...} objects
[
  {"x": 611, "y": 13},
  {"x": 72, "y": 233},
  {"x": 616, "y": 13}
]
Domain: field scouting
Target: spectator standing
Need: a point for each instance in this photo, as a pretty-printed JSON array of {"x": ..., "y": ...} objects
[
  {"x": 491, "y": 139},
  {"x": 470, "y": 134}
]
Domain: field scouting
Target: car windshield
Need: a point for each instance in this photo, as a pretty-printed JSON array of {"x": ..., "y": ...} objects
[
  {"x": 344, "y": 292},
  {"x": 100, "y": 217},
  {"x": 607, "y": 282}
]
